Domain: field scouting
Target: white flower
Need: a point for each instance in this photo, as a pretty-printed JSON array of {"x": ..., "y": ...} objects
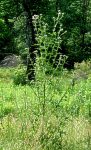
[
  {"x": 59, "y": 12},
  {"x": 35, "y": 17}
]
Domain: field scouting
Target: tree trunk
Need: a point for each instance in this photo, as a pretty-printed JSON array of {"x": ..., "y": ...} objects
[
  {"x": 32, "y": 49},
  {"x": 31, "y": 41}
]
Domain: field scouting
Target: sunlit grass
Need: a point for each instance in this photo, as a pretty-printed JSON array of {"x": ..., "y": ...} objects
[{"x": 50, "y": 114}]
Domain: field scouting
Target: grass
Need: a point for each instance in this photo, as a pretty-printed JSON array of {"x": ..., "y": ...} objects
[{"x": 51, "y": 114}]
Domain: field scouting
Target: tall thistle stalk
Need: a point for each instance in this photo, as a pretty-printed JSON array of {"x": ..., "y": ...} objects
[{"x": 48, "y": 44}]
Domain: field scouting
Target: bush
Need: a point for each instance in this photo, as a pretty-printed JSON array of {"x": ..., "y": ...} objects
[
  {"x": 6, "y": 109},
  {"x": 20, "y": 76}
]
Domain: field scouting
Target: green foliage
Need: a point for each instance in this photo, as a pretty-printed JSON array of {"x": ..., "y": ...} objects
[
  {"x": 76, "y": 21},
  {"x": 20, "y": 35},
  {"x": 20, "y": 76},
  {"x": 85, "y": 66},
  {"x": 8, "y": 14},
  {"x": 6, "y": 108},
  {"x": 5, "y": 35}
]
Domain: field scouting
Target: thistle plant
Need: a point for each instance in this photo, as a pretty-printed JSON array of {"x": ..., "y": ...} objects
[
  {"x": 48, "y": 61},
  {"x": 48, "y": 44}
]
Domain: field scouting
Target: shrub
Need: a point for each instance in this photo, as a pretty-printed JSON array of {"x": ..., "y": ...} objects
[
  {"x": 6, "y": 109},
  {"x": 20, "y": 76}
]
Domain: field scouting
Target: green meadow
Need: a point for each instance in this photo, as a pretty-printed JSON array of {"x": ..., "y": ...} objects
[{"x": 52, "y": 113}]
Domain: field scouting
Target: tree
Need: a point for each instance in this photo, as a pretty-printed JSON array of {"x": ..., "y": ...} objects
[
  {"x": 76, "y": 21},
  {"x": 7, "y": 34},
  {"x": 31, "y": 8},
  {"x": 76, "y": 43}
]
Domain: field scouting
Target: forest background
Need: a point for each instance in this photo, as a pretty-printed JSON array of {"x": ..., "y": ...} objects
[{"x": 65, "y": 26}]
